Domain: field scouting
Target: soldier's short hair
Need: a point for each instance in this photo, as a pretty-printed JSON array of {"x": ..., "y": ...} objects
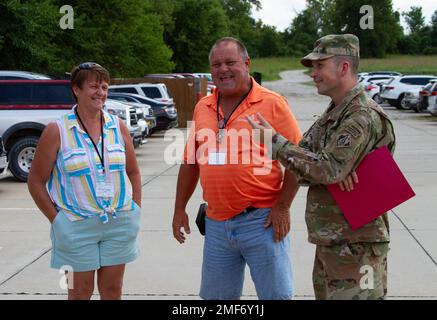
[
  {"x": 241, "y": 47},
  {"x": 354, "y": 62}
]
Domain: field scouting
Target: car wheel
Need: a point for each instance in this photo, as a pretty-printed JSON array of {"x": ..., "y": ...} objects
[
  {"x": 21, "y": 157},
  {"x": 401, "y": 103},
  {"x": 150, "y": 132},
  {"x": 377, "y": 98}
]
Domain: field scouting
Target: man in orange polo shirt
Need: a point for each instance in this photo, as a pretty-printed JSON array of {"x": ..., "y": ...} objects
[{"x": 248, "y": 196}]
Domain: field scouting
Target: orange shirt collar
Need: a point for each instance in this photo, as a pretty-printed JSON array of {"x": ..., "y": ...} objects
[{"x": 253, "y": 97}]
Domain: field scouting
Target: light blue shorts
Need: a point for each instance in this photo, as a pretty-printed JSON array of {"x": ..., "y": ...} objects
[
  {"x": 89, "y": 244},
  {"x": 230, "y": 244}
]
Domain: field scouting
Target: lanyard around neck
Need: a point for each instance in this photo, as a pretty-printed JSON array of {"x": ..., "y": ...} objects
[
  {"x": 221, "y": 123},
  {"x": 101, "y": 157}
]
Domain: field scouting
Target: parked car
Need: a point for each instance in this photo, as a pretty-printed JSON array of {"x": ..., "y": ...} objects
[
  {"x": 165, "y": 113},
  {"x": 26, "y": 107},
  {"x": 164, "y": 75},
  {"x": 22, "y": 75},
  {"x": 411, "y": 98},
  {"x": 372, "y": 85},
  {"x": 394, "y": 91},
  {"x": 387, "y": 73},
  {"x": 378, "y": 73},
  {"x": 186, "y": 75},
  {"x": 128, "y": 114},
  {"x": 427, "y": 96},
  {"x": 157, "y": 91},
  {"x": 145, "y": 114},
  {"x": 3, "y": 160},
  {"x": 432, "y": 98},
  {"x": 197, "y": 82},
  {"x": 145, "y": 119},
  {"x": 211, "y": 85},
  {"x": 433, "y": 108},
  {"x": 205, "y": 75}
]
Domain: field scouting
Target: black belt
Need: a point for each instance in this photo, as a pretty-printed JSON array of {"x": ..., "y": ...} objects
[{"x": 248, "y": 209}]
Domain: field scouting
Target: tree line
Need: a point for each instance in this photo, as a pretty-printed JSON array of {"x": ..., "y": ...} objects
[
  {"x": 135, "y": 37},
  {"x": 343, "y": 16}
]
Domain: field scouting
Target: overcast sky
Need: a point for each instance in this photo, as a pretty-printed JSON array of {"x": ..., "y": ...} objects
[{"x": 280, "y": 13}]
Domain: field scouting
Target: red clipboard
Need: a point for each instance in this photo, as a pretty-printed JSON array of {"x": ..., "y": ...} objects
[{"x": 381, "y": 187}]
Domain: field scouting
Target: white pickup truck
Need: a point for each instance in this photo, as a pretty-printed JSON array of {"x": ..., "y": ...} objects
[
  {"x": 3, "y": 160},
  {"x": 26, "y": 107}
]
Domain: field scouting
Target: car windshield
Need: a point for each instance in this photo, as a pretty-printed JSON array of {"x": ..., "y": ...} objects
[{"x": 151, "y": 92}]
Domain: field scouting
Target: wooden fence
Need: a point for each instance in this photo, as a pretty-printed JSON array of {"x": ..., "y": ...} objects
[{"x": 185, "y": 91}]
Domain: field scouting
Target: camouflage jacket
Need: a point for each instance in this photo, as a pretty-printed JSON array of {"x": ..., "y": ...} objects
[{"x": 330, "y": 150}]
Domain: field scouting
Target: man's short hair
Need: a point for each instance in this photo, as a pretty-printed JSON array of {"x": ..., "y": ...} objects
[
  {"x": 243, "y": 51},
  {"x": 83, "y": 71},
  {"x": 354, "y": 62}
]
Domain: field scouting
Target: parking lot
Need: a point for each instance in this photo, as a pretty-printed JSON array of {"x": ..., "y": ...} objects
[{"x": 168, "y": 270}]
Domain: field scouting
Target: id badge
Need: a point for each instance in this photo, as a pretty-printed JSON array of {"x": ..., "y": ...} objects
[
  {"x": 217, "y": 158},
  {"x": 104, "y": 188}
]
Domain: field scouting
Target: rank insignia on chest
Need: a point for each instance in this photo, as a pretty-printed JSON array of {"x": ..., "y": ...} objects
[{"x": 344, "y": 141}]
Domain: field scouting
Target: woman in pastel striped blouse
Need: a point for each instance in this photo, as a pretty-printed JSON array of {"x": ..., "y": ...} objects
[{"x": 85, "y": 179}]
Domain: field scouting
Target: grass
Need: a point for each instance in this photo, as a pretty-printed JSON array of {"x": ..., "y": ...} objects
[
  {"x": 270, "y": 67},
  {"x": 406, "y": 64}
]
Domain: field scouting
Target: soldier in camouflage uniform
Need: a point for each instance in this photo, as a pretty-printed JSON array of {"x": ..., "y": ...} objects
[{"x": 351, "y": 127}]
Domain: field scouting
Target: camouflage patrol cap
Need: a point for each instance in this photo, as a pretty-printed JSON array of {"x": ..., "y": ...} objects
[{"x": 333, "y": 45}]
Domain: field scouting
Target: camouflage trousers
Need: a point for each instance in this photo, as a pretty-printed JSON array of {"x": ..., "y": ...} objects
[{"x": 353, "y": 271}]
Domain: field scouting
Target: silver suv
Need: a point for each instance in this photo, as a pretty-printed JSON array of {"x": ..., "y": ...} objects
[
  {"x": 157, "y": 91},
  {"x": 394, "y": 91}
]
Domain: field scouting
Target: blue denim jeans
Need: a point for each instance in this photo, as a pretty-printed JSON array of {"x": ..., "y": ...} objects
[{"x": 230, "y": 244}]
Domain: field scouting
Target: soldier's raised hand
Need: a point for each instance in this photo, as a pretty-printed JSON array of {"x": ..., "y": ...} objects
[{"x": 262, "y": 126}]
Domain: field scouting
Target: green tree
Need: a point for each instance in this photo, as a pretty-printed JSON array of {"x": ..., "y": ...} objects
[
  {"x": 302, "y": 33},
  {"x": 414, "y": 19},
  {"x": 434, "y": 30},
  {"x": 121, "y": 35},
  {"x": 421, "y": 39},
  {"x": 321, "y": 11},
  {"x": 241, "y": 24},
  {"x": 269, "y": 44},
  {"x": 197, "y": 25},
  {"x": 375, "y": 42},
  {"x": 26, "y": 33},
  {"x": 124, "y": 36},
  {"x": 164, "y": 9}
]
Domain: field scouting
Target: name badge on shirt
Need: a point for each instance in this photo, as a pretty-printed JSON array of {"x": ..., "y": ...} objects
[
  {"x": 104, "y": 188},
  {"x": 217, "y": 158}
]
